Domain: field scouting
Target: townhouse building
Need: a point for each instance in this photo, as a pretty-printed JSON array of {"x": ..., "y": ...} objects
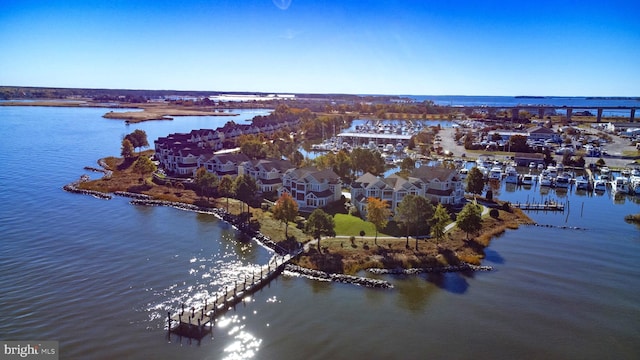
[
  {"x": 437, "y": 184},
  {"x": 311, "y": 188},
  {"x": 268, "y": 173},
  {"x": 178, "y": 153}
]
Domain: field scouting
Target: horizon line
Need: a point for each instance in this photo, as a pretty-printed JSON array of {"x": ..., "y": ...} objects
[{"x": 318, "y": 93}]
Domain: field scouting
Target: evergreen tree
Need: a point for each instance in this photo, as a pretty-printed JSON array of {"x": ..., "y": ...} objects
[
  {"x": 439, "y": 222},
  {"x": 225, "y": 188},
  {"x": 475, "y": 181},
  {"x": 244, "y": 188},
  {"x": 469, "y": 219}
]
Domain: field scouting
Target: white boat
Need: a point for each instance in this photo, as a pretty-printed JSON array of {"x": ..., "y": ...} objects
[
  {"x": 600, "y": 185},
  {"x": 605, "y": 170},
  {"x": 620, "y": 185},
  {"x": 582, "y": 183},
  {"x": 464, "y": 172},
  {"x": 528, "y": 179},
  {"x": 552, "y": 171},
  {"x": 563, "y": 180},
  {"x": 546, "y": 180},
  {"x": 512, "y": 175},
  {"x": 634, "y": 184},
  {"x": 495, "y": 173}
]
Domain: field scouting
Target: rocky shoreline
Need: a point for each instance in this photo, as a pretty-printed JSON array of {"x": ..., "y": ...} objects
[
  {"x": 73, "y": 188},
  {"x": 263, "y": 240},
  {"x": 341, "y": 278},
  {"x": 439, "y": 269}
]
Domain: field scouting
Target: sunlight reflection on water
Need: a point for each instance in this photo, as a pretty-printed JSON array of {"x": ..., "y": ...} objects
[{"x": 244, "y": 345}]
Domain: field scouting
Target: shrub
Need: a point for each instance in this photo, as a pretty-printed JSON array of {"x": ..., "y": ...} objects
[
  {"x": 506, "y": 206},
  {"x": 494, "y": 213},
  {"x": 354, "y": 211},
  {"x": 489, "y": 195}
]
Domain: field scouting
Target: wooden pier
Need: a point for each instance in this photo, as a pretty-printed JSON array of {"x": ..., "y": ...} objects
[
  {"x": 546, "y": 206},
  {"x": 197, "y": 322}
]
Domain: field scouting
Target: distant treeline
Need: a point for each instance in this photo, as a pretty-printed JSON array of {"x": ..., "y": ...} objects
[
  {"x": 19, "y": 92},
  {"x": 128, "y": 95}
]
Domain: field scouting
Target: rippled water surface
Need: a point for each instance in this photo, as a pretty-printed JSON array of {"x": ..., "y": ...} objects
[{"x": 99, "y": 276}]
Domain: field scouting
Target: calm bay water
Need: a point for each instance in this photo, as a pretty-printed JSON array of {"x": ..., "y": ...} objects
[{"x": 99, "y": 276}]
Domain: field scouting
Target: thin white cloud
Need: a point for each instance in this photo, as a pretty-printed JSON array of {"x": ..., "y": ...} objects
[{"x": 282, "y": 4}]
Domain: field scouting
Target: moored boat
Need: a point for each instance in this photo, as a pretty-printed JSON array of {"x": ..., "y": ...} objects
[
  {"x": 528, "y": 179},
  {"x": 495, "y": 173},
  {"x": 563, "y": 180},
  {"x": 620, "y": 185},
  {"x": 582, "y": 183},
  {"x": 600, "y": 185},
  {"x": 512, "y": 175}
]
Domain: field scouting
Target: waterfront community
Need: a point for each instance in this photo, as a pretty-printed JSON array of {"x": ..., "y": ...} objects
[
  {"x": 348, "y": 174},
  {"x": 159, "y": 258},
  {"x": 285, "y": 179}
]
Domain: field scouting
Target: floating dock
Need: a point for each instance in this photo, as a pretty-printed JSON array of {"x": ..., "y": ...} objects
[{"x": 546, "y": 206}]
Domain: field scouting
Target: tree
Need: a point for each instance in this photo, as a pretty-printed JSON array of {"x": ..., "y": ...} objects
[
  {"x": 377, "y": 213},
  {"x": 127, "y": 150},
  {"x": 439, "y": 222},
  {"x": 469, "y": 219},
  {"x": 407, "y": 165},
  {"x": 475, "y": 181},
  {"x": 225, "y": 188},
  {"x": 411, "y": 212},
  {"x": 364, "y": 160},
  {"x": 138, "y": 139},
  {"x": 253, "y": 147},
  {"x": 296, "y": 158},
  {"x": 342, "y": 165},
  {"x": 285, "y": 210},
  {"x": 206, "y": 182},
  {"x": 244, "y": 188},
  {"x": 406, "y": 213},
  {"x": 144, "y": 166},
  {"x": 320, "y": 223},
  {"x": 518, "y": 143}
]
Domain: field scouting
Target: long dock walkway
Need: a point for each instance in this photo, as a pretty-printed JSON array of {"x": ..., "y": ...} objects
[{"x": 197, "y": 322}]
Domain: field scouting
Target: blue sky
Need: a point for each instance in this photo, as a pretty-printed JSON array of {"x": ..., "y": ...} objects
[{"x": 561, "y": 48}]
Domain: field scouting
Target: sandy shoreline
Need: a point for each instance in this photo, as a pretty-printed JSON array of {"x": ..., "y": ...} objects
[{"x": 141, "y": 112}]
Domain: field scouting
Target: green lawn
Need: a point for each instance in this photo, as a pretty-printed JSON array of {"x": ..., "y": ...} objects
[{"x": 349, "y": 225}]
